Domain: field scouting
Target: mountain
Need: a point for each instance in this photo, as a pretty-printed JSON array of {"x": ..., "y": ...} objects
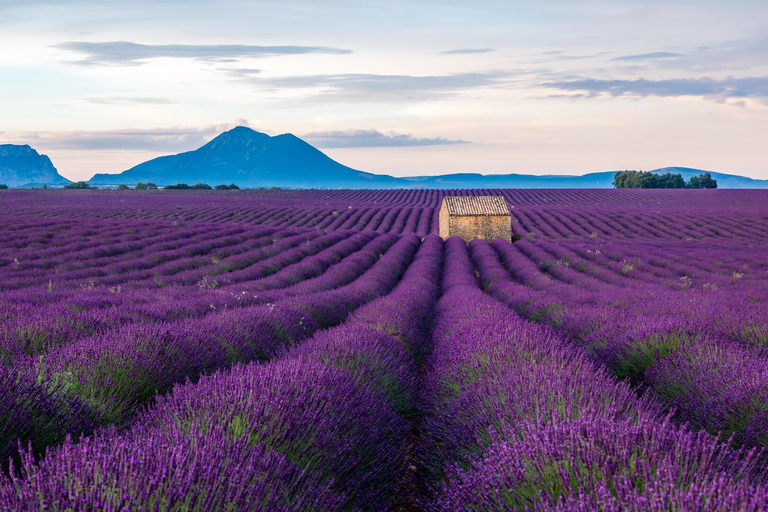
[
  {"x": 466, "y": 180},
  {"x": 591, "y": 180},
  {"x": 252, "y": 159},
  {"x": 22, "y": 166},
  {"x": 723, "y": 180}
]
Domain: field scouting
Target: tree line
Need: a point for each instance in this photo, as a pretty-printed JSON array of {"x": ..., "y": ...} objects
[
  {"x": 647, "y": 179},
  {"x": 201, "y": 186},
  {"x": 82, "y": 185}
]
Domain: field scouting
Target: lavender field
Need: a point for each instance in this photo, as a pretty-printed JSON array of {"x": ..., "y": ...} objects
[{"x": 326, "y": 350}]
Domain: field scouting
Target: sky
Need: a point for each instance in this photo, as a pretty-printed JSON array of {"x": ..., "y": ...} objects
[{"x": 418, "y": 87}]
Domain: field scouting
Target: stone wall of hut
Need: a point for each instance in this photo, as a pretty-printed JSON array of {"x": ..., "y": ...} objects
[{"x": 470, "y": 227}]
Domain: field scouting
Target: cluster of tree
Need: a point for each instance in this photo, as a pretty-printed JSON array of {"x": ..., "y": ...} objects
[
  {"x": 702, "y": 181},
  {"x": 184, "y": 186},
  {"x": 201, "y": 186},
  {"x": 153, "y": 186},
  {"x": 3, "y": 187},
  {"x": 647, "y": 179},
  {"x": 79, "y": 185}
]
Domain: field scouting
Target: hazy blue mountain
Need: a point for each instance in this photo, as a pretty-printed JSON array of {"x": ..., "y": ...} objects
[
  {"x": 466, "y": 180},
  {"x": 252, "y": 159},
  {"x": 723, "y": 180},
  {"x": 249, "y": 159},
  {"x": 591, "y": 180},
  {"x": 22, "y": 166}
]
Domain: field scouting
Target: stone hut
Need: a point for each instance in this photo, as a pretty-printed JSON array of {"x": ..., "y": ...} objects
[{"x": 471, "y": 217}]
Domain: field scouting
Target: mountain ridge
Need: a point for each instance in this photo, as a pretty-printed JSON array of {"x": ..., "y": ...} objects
[
  {"x": 288, "y": 161},
  {"x": 247, "y": 158},
  {"x": 252, "y": 159},
  {"x": 23, "y": 166}
]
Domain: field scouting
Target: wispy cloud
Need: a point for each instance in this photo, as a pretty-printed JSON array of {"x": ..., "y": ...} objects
[
  {"x": 745, "y": 54},
  {"x": 171, "y": 139},
  {"x": 382, "y": 88},
  {"x": 372, "y": 138},
  {"x": 553, "y": 56},
  {"x": 126, "y": 53},
  {"x": 466, "y": 51},
  {"x": 730, "y": 56},
  {"x": 709, "y": 88},
  {"x": 649, "y": 56},
  {"x": 128, "y": 100}
]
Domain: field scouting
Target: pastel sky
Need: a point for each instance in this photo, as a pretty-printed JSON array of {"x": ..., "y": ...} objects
[{"x": 397, "y": 87}]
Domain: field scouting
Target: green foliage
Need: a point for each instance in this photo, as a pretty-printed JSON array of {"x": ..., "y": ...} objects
[
  {"x": 184, "y": 186},
  {"x": 647, "y": 179},
  {"x": 123, "y": 187},
  {"x": 669, "y": 180},
  {"x": 702, "y": 181},
  {"x": 80, "y": 185},
  {"x": 3, "y": 187},
  {"x": 642, "y": 353},
  {"x": 146, "y": 186},
  {"x": 227, "y": 187}
]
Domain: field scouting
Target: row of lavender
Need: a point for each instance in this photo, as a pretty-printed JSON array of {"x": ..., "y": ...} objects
[
  {"x": 106, "y": 377},
  {"x": 324, "y": 427},
  {"x": 520, "y": 419},
  {"x": 692, "y": 330},
  {"x": 542, "y": 213},
  {"x": 505, "y": 414},
  {"x": 36, "y": 320},
  {"x": 646, "y": 223},
  {"x": 29, "y": 201}
]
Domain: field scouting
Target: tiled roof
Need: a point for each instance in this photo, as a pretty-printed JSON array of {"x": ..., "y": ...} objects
[{"x": 476, "y": 205}]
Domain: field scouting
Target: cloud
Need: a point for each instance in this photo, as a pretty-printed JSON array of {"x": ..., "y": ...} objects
[
  {"x": 709, "y": 88},
  {"x": 560, "y": 56},
  {"x": 372, "y": 138},
  {"x": 242, "y": 72},
  {"x": 649, "y": 56},
  {"x": 128, "y": 100},
  {"x": 172, "y": 139},
  {"x": 734, "y": 55},
  {"x": 745, "y": 54},
  {"x": 466, "y": 51},
  {"x": 383, "y": 88},
  {"x": 126, "y": 53}
]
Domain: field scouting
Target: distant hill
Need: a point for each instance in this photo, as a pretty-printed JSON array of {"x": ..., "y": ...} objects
[
  {"x": 467, "y": 180},
  {"x": 252, "y": 159},
  {"x": 723, "y": 180},
  {"x": 591, "y": 180},
  {"x": 22, "y": 166}
]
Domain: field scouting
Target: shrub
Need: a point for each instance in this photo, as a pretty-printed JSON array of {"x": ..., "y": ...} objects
[
  {"x": 647, "y": 179},
  {"x": 184, "y": 186},
  {"x": 80, "y": 185},
  {"x": 704, "y": 180}
]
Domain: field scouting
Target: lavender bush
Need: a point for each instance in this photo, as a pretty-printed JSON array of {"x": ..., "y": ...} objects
[{"x": 323, "y": 350}]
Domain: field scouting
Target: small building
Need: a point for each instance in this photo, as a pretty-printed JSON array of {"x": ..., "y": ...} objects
[{"x": 470, "y": 217}]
